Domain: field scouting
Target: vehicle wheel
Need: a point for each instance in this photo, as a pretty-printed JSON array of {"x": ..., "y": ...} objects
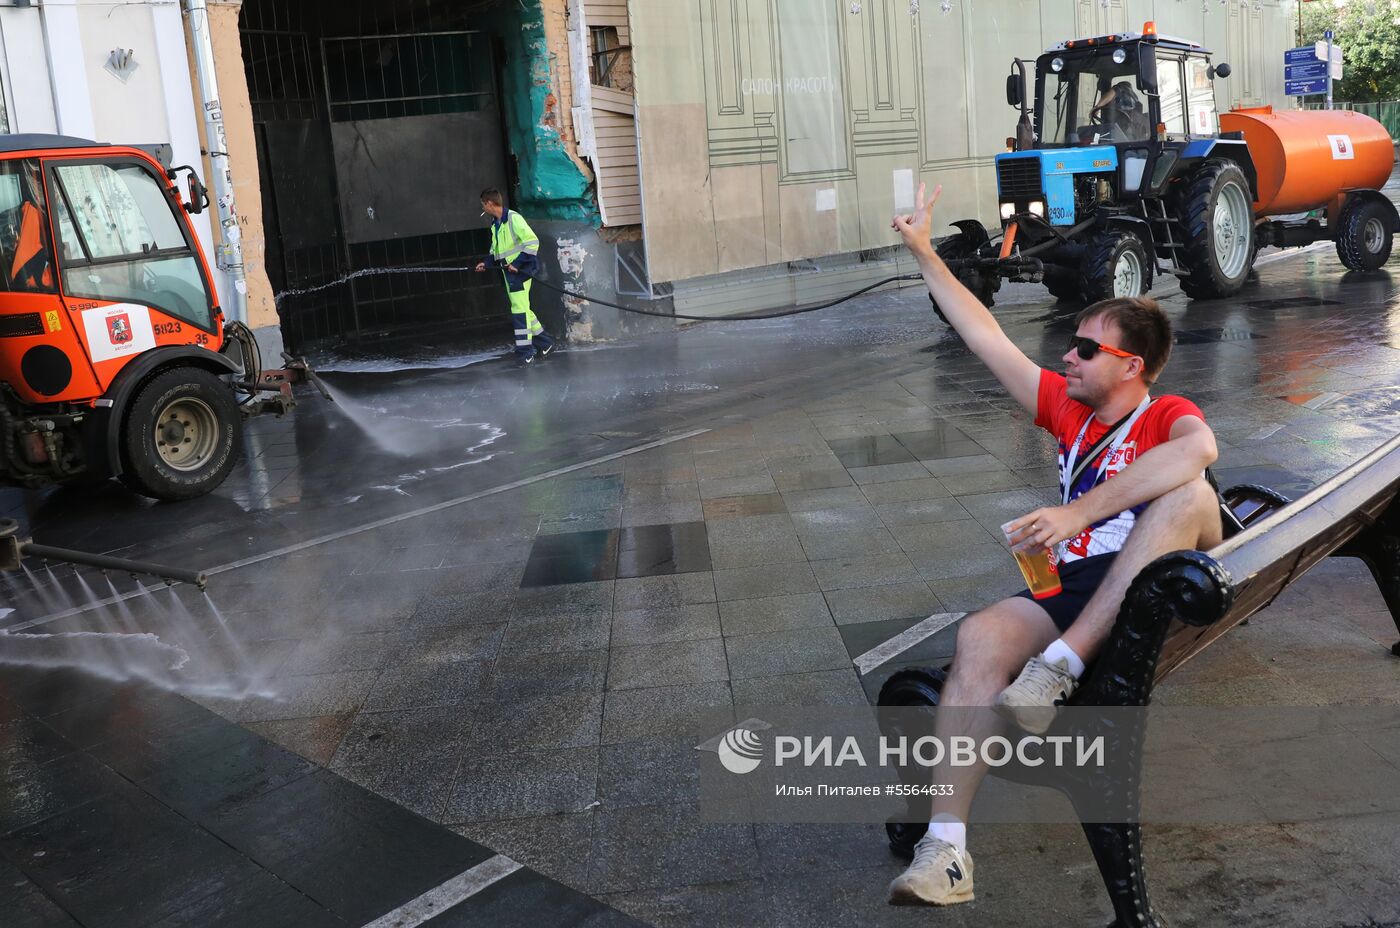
[
  {"x": 1216, "y": 213},
  {"x": 1365, "y": 235},
  {"x": 1063, "y": 286},
  {"x": 982, "y": 286},
  {"x": 1115, "y": 265},
  {"x": 911, "y": 687},
  {"x": 181, "y": 436}
]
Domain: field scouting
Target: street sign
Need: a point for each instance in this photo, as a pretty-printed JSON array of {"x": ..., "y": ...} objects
[
  {"x": 1306, "y": 87},
  {"x": 1295, "y": 55},
  {"x": 1320, "y": 52},
  {"x": 1336, "y": 70},
  {"x": 1305, "y": 70}
]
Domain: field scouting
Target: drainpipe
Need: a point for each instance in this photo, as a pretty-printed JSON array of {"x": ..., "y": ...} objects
[{"x": 230, "y": 250}]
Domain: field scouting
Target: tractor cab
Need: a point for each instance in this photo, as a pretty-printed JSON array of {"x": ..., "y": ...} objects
[{"x": 1104, "y": 108}]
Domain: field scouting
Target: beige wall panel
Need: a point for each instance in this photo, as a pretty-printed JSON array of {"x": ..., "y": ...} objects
[
  {"x": 804, "y": 229},
  {"x": 772, "y": 212},
  {"x": 739, "y": 223},
  {"x": 677, "y": 192}
]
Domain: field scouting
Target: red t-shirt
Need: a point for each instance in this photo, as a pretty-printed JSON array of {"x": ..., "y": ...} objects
[{"x": 1063, "y": 417}]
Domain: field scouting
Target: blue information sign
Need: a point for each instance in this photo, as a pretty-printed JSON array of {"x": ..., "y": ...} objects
[
  {"x": 1305, "y": 87},
  {"x": 1305, "y": 70},
  {"x": 1297, "y": 55}
]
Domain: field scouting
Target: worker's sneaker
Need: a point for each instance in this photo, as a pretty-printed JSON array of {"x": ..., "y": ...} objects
[
  {"x": 1032, "y": 700},
  {"x": 939, "y": 875},
  {"x": 544, "y": 352},
  {"x": 523, "y": 359}
]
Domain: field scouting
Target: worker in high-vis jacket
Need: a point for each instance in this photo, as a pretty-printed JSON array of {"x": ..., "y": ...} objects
[{"x": 515, "y": 249}]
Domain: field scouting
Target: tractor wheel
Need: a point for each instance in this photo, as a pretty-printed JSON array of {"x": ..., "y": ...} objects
[
  {"x": 1365, "y": 235},
  {"x": 1216, "y": 212},
  {"x": 983, "y": 287},
  {"x": 181, "y": 435},
  {"x": 1063, "y": 286},
  {"x": 1115, "y": 265}
]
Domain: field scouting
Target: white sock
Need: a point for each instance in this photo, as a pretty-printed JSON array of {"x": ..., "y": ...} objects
[
  {"x": 1058, "y": 650},
  {"x": 947, "y": 828}
]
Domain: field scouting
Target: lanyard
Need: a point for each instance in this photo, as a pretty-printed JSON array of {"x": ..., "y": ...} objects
[{"x": 1117, "y": 438}]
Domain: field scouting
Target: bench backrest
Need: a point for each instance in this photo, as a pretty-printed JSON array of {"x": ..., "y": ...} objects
[{"x": 1274, "y": 551}]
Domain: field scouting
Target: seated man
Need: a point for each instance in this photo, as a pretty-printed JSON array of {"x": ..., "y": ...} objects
[
  {"x": 1123, "y": 117},
  {"x": 1132, "y": 488}
]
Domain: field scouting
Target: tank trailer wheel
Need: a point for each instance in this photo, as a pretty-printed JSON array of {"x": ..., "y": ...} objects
[
  {"x": 182, "y": 435},
  {"x": 1365, "y": 237},
  {"x": 1116, "y": 265},
  {"x": 1216, "y": 212}
]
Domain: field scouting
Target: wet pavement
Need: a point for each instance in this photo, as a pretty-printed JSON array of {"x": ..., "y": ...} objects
[{"x": 473, "y": 614}]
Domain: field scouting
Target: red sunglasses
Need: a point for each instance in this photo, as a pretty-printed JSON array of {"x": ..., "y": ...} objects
[{"x": 1087, "y": 348}]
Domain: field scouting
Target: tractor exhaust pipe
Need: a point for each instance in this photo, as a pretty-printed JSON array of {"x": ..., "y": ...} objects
[{"x": 13, "y": 551}]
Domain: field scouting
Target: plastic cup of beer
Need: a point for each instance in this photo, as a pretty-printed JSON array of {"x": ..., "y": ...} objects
[{"x": 1040, "y": 567}]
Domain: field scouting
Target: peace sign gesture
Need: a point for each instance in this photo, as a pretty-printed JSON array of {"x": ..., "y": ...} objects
[{"x": 917, "y": 229}]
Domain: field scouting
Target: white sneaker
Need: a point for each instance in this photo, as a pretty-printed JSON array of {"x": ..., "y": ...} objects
[
  {"x": 939, "y": 875},
  {"x": 1032, "y": 700}
]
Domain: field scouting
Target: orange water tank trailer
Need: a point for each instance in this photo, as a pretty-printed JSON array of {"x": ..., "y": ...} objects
[{"x": 1307, "y": 158}]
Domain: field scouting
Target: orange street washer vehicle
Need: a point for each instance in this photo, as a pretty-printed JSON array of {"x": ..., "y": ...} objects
[{"x": 115, "y": 360}]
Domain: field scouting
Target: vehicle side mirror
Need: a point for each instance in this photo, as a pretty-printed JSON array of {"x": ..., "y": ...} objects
[
  {"x": 1220, "y": 70},
  {"x": 1013, "y": 90},
  {"x": 1147, "y": 68},
  {"x": 199, "y": 196}
]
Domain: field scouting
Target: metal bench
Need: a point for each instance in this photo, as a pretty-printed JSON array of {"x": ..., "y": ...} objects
[{"x": 1174, "y": 609}]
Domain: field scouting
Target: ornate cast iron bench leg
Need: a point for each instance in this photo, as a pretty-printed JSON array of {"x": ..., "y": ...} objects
[
  {"x": 1379, "y": 549},
  {"x": 1118, "y": 851}
]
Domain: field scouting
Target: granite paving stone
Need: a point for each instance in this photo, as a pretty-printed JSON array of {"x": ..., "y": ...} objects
[
  {"x": 414, "y": 686},
  {"x": 670, "y": 623},
  {"x": 794, "y": 651},
  {"x": 755, "y": 695},
  {"x": 556, "y": 845},
  {"x": 667, "y": 664},
  {"x": 530, "y": 674},
  {"x": 774, "y": 613},
  {"x": 768, "y": 580},
  {"x": 721, "y": 487},
  {"x": 666, "y": 845},
  {"x": 664, "y": 711},
  {"x": 845, "y": 573},
  {"x": 830, "y": 498},
  {"x": 876, "y": 604},
  {"x": 900, "y": 491},
  {"x": 648, "y": 773},
  {"x": 664, "y": 590},
  {"x": 524, "y": 785}
]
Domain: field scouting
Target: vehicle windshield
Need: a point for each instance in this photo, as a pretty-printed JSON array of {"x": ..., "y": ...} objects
[{"x": 1092, "y": 98}]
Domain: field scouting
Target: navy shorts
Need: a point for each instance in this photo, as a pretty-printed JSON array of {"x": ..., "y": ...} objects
[{"x": 1078, "y": 579}]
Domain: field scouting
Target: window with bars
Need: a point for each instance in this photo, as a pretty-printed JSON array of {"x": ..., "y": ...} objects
[
  {"x": 390, "y": 76},
  {"x": 607, "y": 50}
]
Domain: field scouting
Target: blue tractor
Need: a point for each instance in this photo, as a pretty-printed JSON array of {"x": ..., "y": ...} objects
[{"x": 1119, "y": 173}]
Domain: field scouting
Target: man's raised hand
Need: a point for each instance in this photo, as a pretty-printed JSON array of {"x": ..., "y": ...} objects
[{"x": 917, "y": 229}]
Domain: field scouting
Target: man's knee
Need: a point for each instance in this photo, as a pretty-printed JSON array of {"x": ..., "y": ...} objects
[
  {"x": 999, "y": 639},
  {"x": 1193, "y": 504}
]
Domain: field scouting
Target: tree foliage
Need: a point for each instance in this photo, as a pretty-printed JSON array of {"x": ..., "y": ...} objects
[{"x": 1369, "y": 33}]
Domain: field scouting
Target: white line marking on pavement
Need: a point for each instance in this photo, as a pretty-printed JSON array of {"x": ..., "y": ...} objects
[
  {"x": 905, "y": 640},
  {"x": 381, "y": 523},
  {"x": 1321, "y": 400},
  {"x": 1265, "y": 432},
  {"x": 441, "y": 898}
]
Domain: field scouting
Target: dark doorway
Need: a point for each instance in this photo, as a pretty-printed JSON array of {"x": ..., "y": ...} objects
[{"x": 377, "y": 125}]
